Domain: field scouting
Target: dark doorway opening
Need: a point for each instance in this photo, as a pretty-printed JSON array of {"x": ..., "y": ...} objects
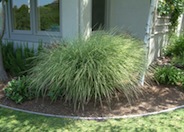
[{"x": 98, "y": 14}]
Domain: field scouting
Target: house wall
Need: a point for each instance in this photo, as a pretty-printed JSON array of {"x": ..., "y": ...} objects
[
  {"x": 70, "y": 18},
  {"x": 76, "y": 18},
  {"x": 129, "y": 15}
]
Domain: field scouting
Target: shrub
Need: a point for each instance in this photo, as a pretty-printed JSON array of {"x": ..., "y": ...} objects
[
  {"x": 17, "y": 60},
  {"x": 176, "y": 50},
  {"x": 95, "y": 68},
  {"x": 178, "y": 62},
  {"x": 17, "y": 90},
  {"x": 176, "y": 47},
  {"x": 169, "y": 75}
]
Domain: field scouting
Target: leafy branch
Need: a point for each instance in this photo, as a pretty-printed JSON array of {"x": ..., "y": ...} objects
[{"x": 171, "y": 8}]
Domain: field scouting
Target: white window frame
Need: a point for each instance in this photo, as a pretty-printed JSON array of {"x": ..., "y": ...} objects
[
  {"x": 38, "y": 32},
  {"x": 32, "y": 35},
  {"x": 11, "y": 20}
]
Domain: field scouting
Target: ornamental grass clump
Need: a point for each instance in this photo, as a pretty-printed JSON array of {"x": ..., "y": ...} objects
[{"x": 93, "y": 69}]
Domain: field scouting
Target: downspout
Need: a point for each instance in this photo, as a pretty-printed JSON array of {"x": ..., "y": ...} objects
[{"x": 148, "y": 35}]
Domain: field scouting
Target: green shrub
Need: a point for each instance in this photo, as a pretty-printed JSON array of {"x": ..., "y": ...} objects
[
  {"x": 176, "y": 47},
  {"x": 17, "y": 90},
  {"x": 91, "y": 69},
  {"x": 176, "y": 50},
  {"x": 17, "y": 60},
  {"x": 178, "y": 62},
  {"x": 169, "y": 75}
]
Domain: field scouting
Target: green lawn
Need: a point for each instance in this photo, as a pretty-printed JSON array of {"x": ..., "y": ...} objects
[{"x": 12, "y": 121}]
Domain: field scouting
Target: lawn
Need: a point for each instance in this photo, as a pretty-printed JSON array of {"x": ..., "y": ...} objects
[{"x": 23, "y": 122}]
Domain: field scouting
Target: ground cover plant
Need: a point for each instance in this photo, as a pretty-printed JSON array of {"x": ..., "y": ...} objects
[
  {"x": 175, "y": 47},
  {"x": 169, "y": 75},
  {"x": 92, "y": 69},
  {"x": 173, "y": 71},
  {"x": 17, "y": 59},
  {"x": 21, "y": 122},
  {"x": 17, "y": 90}
]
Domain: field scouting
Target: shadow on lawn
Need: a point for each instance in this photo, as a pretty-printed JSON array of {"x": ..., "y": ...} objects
[{"x": 21, "y": 122}]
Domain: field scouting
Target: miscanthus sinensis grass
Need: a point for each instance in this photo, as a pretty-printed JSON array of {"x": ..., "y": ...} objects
[{"x": 93, "y": 69}]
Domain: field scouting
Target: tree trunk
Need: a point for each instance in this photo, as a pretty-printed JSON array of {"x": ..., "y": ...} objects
[{"x": 3, "y": 75}]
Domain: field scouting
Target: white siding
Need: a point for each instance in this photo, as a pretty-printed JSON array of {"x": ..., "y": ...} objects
[{"x": 159, "y": 37}]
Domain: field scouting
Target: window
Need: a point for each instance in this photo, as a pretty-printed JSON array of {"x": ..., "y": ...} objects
[
  {"x": 21, "y": 15},
  {"x": 35, "y": 17},
  {"x": 48, "y": 15}
]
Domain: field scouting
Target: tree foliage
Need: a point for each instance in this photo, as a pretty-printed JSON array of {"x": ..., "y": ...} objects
[{"x": 173, "y": 9}]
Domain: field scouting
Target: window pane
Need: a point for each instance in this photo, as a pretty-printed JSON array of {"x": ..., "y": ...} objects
[
  {"x": 21, "y": 14},
  {"x": 48, "y": 15}
]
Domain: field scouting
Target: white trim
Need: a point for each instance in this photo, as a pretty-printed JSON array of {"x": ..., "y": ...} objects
[
  {"x": 38, "y": 32},
  {"x": 6, "y": 34},
  {"x": 163, "y": 17},
  {"x": 12, "y": 24},
  {"x": 165, "y": 24},
  {"x": 107, "y": 14},
  {"x": 33, "y": 15},
  {"x": 21, "y": 32},
  {"x": 180, "y": 24},
  {"x": 161, "y": 32}
]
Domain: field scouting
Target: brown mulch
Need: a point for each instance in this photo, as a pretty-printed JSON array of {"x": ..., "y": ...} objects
[{"x": 154, "y": 98}]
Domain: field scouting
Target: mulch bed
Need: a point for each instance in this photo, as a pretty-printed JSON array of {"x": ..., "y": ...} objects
[{"x": 155, "y": 98}]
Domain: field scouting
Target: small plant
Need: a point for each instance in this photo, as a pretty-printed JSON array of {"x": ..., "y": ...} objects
[
  {"x": 178, "y": 62},
  {"x": 93, "y": 69},
  {"x": 169, "y": 75},
  {"x": 176, "y": 48},
  {"x": 17, "y": 90}
]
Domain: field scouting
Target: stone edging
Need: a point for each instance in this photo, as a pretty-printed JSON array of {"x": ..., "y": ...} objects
[{"x": 93, "y": 118}]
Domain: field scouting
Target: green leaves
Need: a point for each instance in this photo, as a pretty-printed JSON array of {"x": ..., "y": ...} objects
[
  {"x": 17, "y": 60},
  {"x": 176, "y": 51},
  {"x": 176, "y": 46},
  {"x": 169, "y": 75},
  {"x": 173, "y": 74},
  {"x": 172, "y": 8},
  {"x": 93, "y": 69},
  {"x": 17, "y": 90}
]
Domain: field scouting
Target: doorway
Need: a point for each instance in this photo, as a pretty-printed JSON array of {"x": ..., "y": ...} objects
[{"x": 98, "y": 14}]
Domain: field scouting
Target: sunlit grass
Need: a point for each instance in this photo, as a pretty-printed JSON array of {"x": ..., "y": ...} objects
[{"x": 12, "y": 121}]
